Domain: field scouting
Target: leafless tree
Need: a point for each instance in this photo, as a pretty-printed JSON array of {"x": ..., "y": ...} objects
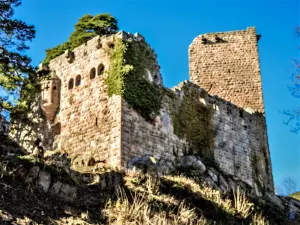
[
  {"x": 294, "y": 114},
  {"x": 289, "y": 186}
]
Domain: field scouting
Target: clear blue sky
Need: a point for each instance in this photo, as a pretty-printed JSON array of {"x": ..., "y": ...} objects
[{"x": 170, "y": 26}]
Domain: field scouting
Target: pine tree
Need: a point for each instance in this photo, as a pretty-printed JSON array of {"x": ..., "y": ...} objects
[
  {"x": 16, "y": 72},
  {"x": 86, "y": 28}
]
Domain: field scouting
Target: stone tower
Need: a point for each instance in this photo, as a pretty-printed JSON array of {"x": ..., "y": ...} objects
[
  {"x": 97, "y": 129},
  {"x": 226, "y": 64}
]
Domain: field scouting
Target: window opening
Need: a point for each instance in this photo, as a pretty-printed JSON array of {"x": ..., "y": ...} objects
[
  {"x": 71, "y": 83},
  {"x": 78, "y": 80},
  {"x": 92, "y": 73},
  {"x": 100, "y": 69}
]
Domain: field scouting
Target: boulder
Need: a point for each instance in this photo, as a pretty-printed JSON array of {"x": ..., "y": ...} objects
[
  {"x": 144, "y": 164},
  {"x": 295, "y": 203},
  {"x": 44, "y": 180},
  {"x": 199, "y": 165},
  {"x": 213, "y": 175},
  {"x": 55, "y": 187},
  {"x": 68, "y": 192},
  {"x": 165, "y": 167},
  {"x": 209, "y": 181},
  {"x": 192, "y": 161},
  {"x": 275, "y": 200},
  {"x": 32, "y": 174},
  {"x": 223, "y": 183},
  {"x": 188, "y": 161}
]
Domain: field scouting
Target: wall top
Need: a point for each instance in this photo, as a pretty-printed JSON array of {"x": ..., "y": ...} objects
[{"x": 219, "y": 37}]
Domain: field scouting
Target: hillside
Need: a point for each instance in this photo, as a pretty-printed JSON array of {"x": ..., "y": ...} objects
[
  {"x": 296, "y": 195},
  {"x": 35, "y": 191}
]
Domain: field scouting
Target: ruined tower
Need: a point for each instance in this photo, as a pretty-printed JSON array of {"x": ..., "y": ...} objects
[
  {"x": 226, "y": 64},
  {"x": 221, "y": 108}
]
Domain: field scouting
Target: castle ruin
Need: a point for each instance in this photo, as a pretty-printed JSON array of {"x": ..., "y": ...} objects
[{"x": 218, "y": 114}]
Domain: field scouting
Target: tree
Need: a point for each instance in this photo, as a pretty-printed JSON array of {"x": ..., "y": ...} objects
[
  {"x": 289, "y": 185},
  {"x": 16, "y": 72},
  {"x": 86, "y": 28},
  {"x": 294, "y": 88}
]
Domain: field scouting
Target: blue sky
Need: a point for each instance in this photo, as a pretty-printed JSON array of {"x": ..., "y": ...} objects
[{"x": 170, "y": 26}]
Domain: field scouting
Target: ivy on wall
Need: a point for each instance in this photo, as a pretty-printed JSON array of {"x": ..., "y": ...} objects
[
  {"x": 193, "y": 121},
  {"x": 130, "y": 61},
  {"x": 118, "y": 69}
]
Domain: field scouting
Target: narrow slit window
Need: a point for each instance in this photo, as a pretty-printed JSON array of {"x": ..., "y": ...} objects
[
  {"x": 92, "y": 73},
  {"x": 78, "y": 80},
  {"x": 100, "y": 69},
  {"x": 71, "y": 83}
]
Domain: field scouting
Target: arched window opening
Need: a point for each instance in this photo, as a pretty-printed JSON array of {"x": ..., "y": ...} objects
[
  {"x": 100, "y": 69},
  {"x": 92, "y": 73},
  {"x": 71, "y": 83},
  {"x": 78, "y": 80},
  {"x": 54, "y": 88}
]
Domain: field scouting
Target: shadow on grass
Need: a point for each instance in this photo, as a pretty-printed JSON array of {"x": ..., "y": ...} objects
[{"x": 209, "y": 209}]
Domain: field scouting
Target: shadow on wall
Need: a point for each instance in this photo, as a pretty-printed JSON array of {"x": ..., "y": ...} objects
[{"x": 32, "y": 130}]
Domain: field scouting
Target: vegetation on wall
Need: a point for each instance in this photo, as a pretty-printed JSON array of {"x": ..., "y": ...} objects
[
  {"x": 193, "y": 122},
  {"x": 127, "y": 77},
  {"x": 118, "y": 69},
  {"x": 86, "y": 28}
]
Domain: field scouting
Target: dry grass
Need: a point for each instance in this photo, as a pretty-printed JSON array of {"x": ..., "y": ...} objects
[
  {"x": 140, "y": 211},
  {"x": 258, "y": 219},
  {"x": 241, "y": 204},
  {"x": 205, "y": 192}
]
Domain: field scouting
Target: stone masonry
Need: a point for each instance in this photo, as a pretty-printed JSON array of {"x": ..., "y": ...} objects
[
  {"x": 227, "y": 65},
  {"x": 94, "y": 128},
  {"x": 240, "y": 143},
  {"x": 88, "y": 123}
]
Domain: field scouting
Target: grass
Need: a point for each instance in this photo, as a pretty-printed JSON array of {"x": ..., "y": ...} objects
[
  {"x": 137, "y": 209},
  {"x": 242, "y": 204},
  {"x": 296, "y": 195},
  {"x": 147, "y": 202},
  {"x": 146, "y": 199}
]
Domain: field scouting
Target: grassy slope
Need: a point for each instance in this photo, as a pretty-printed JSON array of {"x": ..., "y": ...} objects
[
  {"x": 143, "y": 199},
  {"x": 296, "y": 195}
]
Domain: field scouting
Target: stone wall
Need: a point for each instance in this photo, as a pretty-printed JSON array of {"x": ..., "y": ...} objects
[
  {"x": 240, "y": 142},
  {"x": 141, "y": 138},
  {"x": 227, "y": 65},
  {"x": 88, "y": 121},
  {"x": 28, "y": 128}
]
